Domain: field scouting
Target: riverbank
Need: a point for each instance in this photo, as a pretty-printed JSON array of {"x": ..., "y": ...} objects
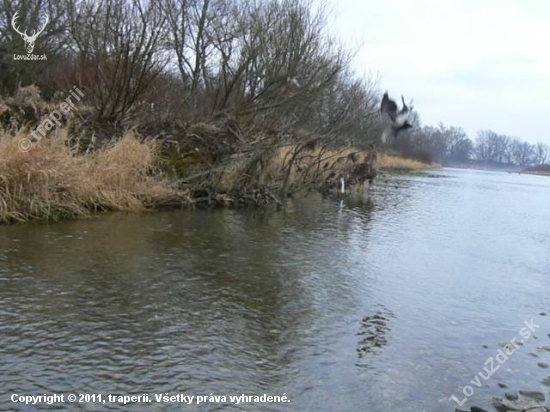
[
  {"x": 56, "y": 165},
  {"x": 55, "y": 180},
  {"x": 82, "y": 168}
]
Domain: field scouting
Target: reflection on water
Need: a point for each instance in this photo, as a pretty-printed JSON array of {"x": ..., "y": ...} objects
[{"x": 231, "y": 302}]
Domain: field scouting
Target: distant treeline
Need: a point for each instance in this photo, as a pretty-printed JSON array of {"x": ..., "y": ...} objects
[{"x": 451, "y": 145}]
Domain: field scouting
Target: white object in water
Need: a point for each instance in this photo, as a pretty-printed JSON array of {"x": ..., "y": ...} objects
[{"x": 342, "y": 185}]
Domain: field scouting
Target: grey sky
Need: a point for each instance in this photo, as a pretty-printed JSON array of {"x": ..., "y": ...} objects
[{"x": 481, "y": 64}]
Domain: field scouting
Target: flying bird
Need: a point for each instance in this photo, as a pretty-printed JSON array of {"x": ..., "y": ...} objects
[{"x": 399, "y": 119}]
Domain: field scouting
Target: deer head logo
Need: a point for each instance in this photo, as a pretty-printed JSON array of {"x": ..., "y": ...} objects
[{"x": 29, "y": 40}]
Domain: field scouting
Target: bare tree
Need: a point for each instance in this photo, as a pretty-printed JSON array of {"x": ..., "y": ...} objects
[
  {"x": 118, "y": 51},
  {"x": 542, "y": 153},
  {"x": 522, "y": 152}
]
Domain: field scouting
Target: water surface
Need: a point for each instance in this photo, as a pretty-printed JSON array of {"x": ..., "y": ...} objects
[{"x": 231, "y": 302}]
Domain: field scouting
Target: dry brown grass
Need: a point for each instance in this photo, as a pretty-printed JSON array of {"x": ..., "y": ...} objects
[
  {"x": 271, "y": 168},
  {"x": 393, "y": 162},
  {"x": 51, "y": 181},
  {"x": 538, "y": 173},
  {"x": 541, "y": 170}
]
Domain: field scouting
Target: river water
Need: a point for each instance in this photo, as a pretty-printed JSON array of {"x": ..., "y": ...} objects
[{"x": 245, "y": 302}]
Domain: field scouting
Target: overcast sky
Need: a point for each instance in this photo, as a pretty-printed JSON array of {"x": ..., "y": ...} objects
[{"x": 481, "y": 64}]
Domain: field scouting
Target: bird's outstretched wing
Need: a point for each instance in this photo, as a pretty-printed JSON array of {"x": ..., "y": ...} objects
[
  {"x": 389, "y": 107},
  {"x": 404, "y": 109},
  {"x": 401, "y": 120}
]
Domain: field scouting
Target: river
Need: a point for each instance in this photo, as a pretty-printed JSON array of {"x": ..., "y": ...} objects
[{"x": 233, "y": 302}]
